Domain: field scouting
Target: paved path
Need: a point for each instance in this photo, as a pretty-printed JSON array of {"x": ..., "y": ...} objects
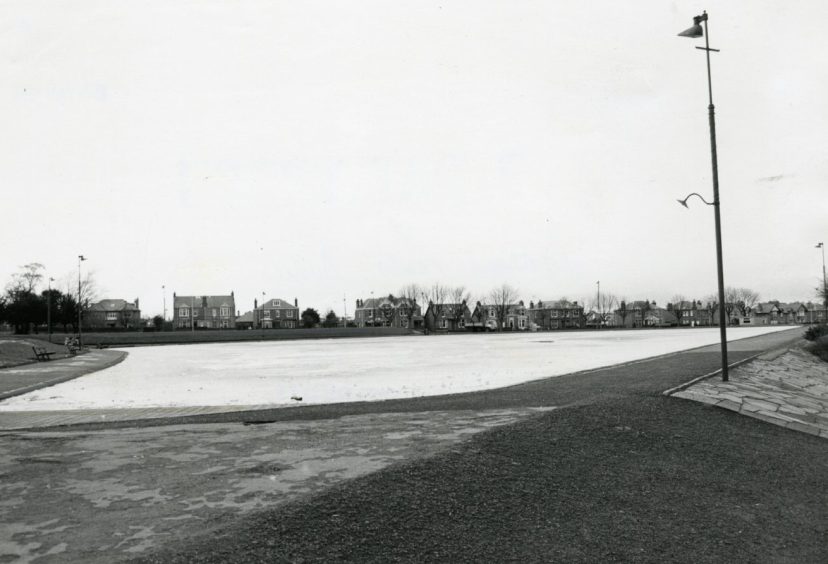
[
  {"x": 786, "y": 388},
  {"x": 23, "y": 379}
]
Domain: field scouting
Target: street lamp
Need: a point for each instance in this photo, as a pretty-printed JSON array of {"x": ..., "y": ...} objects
[
  {"x": 824, "y": 285},
  {"x": 81, "y": 258},
  {"x": 164, "y": 293},
  {"x": 49, "y": 309},
  {"x": 694, "y": 32}
]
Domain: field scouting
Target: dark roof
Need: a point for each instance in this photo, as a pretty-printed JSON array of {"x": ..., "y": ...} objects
[
  {"x": 284, "y": 304},
  {"x": 198, "y": 301},
  {"x": 113, "y": 305},
  {"x": 375, "y": 303},
  {"x": 557, "y": 304},
  {"x": 247, "y": 317}
]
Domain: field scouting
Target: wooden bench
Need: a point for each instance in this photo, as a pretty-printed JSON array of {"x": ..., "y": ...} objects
[{"x": 42, "y": 354}]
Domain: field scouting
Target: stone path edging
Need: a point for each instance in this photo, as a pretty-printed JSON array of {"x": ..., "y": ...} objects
[{"x": 785, "y": 387}]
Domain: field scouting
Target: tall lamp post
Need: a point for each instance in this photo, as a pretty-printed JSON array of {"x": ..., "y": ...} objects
[
  {"x": 164, "y": 293},
  {"x": 694, "y": 32},
  {"x": 824, "y": 285},
  {"x": 81, "y": 258}
]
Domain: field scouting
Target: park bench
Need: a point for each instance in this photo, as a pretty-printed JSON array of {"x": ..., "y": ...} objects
[{"x": 42, "y": 354}]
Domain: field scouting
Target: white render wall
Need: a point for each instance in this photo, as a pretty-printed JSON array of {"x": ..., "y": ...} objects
[{"x": 343, "y": 370}]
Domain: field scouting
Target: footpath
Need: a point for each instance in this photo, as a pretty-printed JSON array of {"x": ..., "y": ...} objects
[{"x": 26, "y": 378}]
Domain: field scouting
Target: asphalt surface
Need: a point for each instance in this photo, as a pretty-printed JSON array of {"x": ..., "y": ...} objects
[{"x": 618, "y": 472}]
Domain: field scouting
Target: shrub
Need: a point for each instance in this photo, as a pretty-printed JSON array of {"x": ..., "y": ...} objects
[
  {"x": 819, "y": 348},
  {"x": 814, "y": 332}
]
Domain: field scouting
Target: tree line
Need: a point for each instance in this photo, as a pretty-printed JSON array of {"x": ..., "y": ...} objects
[{"x": 24, "y": 307}]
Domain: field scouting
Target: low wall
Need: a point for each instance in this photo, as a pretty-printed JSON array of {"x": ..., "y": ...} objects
[{"x": 216, "y": 336}]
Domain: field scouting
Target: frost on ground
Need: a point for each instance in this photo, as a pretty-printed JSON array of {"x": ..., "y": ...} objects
[{"x": 346, "y": 370}]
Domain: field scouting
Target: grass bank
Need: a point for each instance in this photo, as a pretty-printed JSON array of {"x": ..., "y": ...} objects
[{"x": 230, "y": 335}]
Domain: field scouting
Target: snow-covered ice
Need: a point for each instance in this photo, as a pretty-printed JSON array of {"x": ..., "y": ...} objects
[{"x": 344, "y": 370}]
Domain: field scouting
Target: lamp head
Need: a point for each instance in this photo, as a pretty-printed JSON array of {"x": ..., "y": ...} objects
[
  {"x": 696, "y": 30},
  {"x": 683, "y": 203},
  {"x": 819, "y": 245}
]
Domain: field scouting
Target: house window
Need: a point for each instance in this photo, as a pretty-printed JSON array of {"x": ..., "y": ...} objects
[
  {"x": 290, "y": 313},
  {"x": 225, "y": 311},
  {"x": 443, "y": 324},
  {"x": 276, "y": 312},
  {"x": 111, "y": 316},
  {"x": 215, "y": 312},
  {"x": 278, "y": 302},
  {"x": 267, "y": 314},
  {"x": 522, "y": 323},
  {"x": 183, "y": 312},
  {"x": 195, "y": 313},
  {"x": 491, "y": 312},
  {"x": 461, "y": 323}
]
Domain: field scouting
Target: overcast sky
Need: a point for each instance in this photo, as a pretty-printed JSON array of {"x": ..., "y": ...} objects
[{"x": 328, "y": 149}]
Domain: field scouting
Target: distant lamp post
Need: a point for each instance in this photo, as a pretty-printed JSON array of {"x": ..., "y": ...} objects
[
  {"x": 824, "y": 285},
  {"x": 694, "y": 32},
  {"x": 81, "y": 258},
  {"x": 49, "y": 309},
  {"x": 164, "y": 293}
]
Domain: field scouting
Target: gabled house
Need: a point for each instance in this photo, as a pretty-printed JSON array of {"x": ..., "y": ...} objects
[
  {"x": 388, "y": 312},
  {"x": 659, "y": 317},
  {"x": 632, "y": 314},
  {"x": 112, "y": 314},
  {"x": 485, "y": 317},
  {"x": 204, "y": 312},
  {"x": 736, "y": 314},
  {"x": 276, "y": 313},
  {"x": 810, "y": 313},
  {"x": 691, "y": 313},
  {"x": 447, "y": 317},
  {"x": 767, "y": 313},
  {"x": 556, "y": 314}
]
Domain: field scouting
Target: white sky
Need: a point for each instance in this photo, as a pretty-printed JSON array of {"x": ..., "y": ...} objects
[{"x": 321, "y": 149}]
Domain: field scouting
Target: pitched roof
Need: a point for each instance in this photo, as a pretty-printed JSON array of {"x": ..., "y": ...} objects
[
  {"x": 247, "y": 317},
  {"x": 113, "y": 305},
  {"x": 271, "y": 304},
  {"x": 374, "y": 303},
  {"x": 198, "y": 301},
  {"x": 557, "y": 304}
]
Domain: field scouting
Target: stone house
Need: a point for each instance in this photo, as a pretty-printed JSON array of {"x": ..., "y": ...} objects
[
  {"x": 112, "y": 314},
  {"x": 556, "y": 314},
  {"x": 389, "y": 311},
  {"x": 447, "y": 317},
  {"x": 276, "y": 313},
  {"x": 204, "y": 312}
]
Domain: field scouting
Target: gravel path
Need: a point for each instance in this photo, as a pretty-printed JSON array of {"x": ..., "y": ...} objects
[{"x": 619, "y": 473}]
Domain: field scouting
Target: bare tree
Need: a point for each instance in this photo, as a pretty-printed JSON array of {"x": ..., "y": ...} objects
[
  {"x": 501, "y": 298},
  {"x": 435, "y": 293},
  {"x": 459, "y": 294},
  {"x": 411, "y": 293},
  {"x": 88, "y": 288},
  {"x": 675, "y": 306},
  {"x": 27, "y": 279},
  {"x": 623, "y": 311}
]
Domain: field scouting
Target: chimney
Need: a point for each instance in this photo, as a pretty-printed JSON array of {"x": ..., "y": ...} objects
[
  {"x": 296, "y": 302},
  {"x": 136, "y": 304},
  {"x": 255, "y": 303},
  {"x": 231, "y": 293}
]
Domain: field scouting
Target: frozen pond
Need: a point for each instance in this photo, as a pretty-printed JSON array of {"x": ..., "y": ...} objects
[{"x": 343, "y": 370}]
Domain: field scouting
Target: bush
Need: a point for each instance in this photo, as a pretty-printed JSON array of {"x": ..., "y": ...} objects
[
  {"x": 819, "y": 348},
  {"x": 814, "y": 332}
]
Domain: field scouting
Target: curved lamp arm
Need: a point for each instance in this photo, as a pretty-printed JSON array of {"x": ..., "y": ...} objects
[{"x": 684, "y": 201}]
